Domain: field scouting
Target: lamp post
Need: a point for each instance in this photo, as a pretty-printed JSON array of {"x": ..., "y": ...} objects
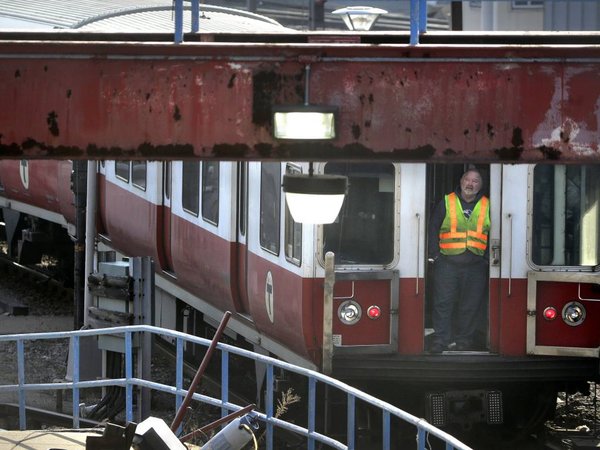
[{"x": 359, "y": 18}]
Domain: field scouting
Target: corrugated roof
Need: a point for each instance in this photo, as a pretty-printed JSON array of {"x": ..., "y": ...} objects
[{"x": 129, "y": 16}]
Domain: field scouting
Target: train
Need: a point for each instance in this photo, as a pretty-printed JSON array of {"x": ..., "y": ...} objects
[{"x": 222, "y": 238}]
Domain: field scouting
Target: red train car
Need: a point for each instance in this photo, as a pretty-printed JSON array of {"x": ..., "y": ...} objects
[{"x": 222, "y": 238}]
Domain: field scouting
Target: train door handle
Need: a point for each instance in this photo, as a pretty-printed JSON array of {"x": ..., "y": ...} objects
[{"x": 495, "y": 252}]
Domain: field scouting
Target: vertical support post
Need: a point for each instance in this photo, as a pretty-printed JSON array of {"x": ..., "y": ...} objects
[
  {"x": 128, "y": 376},
  {"x": 328, "y": 313},
  {"x": 312, "y": 410},
  {"x": 251, "y": 5},
  {"x": 142, "y": 272},
  {"x": 351, "y": 421},
  {"x": 269, "y": 406},
  {"x": 195, "y": 16},
  {"x": 414, "y": 22},
  {"x": 456, "y": 15},
  {"x": 79, "y": 191},
  {"x": 224, "y": 381},
  {"x": 421, "y": 439},
  {"x": 386, "y": 430},
  {"x": 90, "y": 235},
  {"x": 179, "y": 378},
  {"x": 75, "y": 344},
  {"x": 422, "y": 16},
  {"x": 21, "y": 380},
  {"x": 178, "y": 21}
]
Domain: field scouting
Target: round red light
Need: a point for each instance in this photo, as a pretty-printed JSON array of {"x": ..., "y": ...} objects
[
  {"x": 373, "y": 312},
  {"x": 550, "y": 313}
]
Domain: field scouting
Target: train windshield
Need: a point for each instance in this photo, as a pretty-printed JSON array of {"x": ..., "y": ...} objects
[
  {"x": 363, "y": 232},
  {"x": 565, "y": 215}
]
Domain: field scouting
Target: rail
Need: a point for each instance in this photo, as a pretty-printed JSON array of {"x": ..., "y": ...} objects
[{"x": 388, "y": 411}]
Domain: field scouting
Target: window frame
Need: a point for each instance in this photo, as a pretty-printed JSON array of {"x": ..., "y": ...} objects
[
  {"x": 276, "y": 226},
  {"x": 530, "y": 231},
  {"x": 395, "y": 236},
  {"x": 211, "y": 217},
  {"x": 134, "y": 181},
  {"x": 194, "y": 182},
  {"x": 292, "y": 229},
  {"x": 120, "y": 173}
]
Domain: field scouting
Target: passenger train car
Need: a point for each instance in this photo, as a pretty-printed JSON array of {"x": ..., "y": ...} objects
[{"x": 222, "y": 238}]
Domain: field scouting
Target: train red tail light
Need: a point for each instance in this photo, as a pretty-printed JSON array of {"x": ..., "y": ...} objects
[
  {"x": 550, "y": 313},
  {"x": 373, "y": 312}
]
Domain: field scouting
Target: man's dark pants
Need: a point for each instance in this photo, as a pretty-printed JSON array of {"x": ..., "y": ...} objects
[{"x": 459, "y": 291}]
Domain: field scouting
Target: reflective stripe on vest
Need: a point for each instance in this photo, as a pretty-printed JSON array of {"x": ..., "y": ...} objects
[{"x": 457, "y": 233}]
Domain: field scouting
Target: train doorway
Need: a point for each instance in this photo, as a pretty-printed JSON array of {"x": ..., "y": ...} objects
[{"x": 443, "y": 179}]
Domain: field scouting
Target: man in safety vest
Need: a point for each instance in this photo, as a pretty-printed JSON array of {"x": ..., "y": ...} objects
[{"x": 458, "y": 248}]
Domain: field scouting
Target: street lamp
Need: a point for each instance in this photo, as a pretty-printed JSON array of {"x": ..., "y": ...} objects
[
  {"x": 314, "y": 198},
  {"x": 311, "y": 198},
  {"x": 359, "y": 18}
]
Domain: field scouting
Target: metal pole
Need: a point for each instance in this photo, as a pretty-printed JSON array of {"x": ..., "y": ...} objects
[
  {"x": 328, "y": 312},
  {"x": 79, "y": 191},
  {"x": 414, "y": 22},
  {"x": 196, "y": 381},
  {"x": 195, "y": 16},
  {"x": 456, "y": 16},
  {"x": 90, "y": 236},
  {"x": 178, "y": 21}
]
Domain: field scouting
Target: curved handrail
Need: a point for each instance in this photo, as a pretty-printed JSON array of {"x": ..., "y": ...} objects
[{"x": 128, "y": 382}]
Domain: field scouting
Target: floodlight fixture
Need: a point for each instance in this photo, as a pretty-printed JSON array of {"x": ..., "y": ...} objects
[
  {"x": 359, "y": 18},
  {"x": 304, "y": 122}
]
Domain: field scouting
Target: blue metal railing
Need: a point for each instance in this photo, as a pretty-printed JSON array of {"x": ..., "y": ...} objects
[{"x": 423, "y": 428}]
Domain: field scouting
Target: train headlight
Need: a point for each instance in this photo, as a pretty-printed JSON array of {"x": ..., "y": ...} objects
[
  {"x": 573, "y": 313},
  {"x": 550, "y": 313},
  {"x": 349, "y": 312}
]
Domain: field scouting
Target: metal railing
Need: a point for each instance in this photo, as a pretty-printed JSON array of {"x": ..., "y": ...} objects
[{"x": 388, "y": 411}]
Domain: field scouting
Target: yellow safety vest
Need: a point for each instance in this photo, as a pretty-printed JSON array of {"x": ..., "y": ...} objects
[{"x": 458, "y": 233}]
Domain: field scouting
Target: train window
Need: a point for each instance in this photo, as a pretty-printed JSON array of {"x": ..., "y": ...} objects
[
  {"x": 190, "y": 180},
  {"x": 210, "y": 191},
  {"x": 270, "y": 205},
  {"x": 363, "y": 233},
  {"x": 565, "y": 215},
  {"x": 138, "y": 174},
  {"x": 293, "y": 231},
  {"x": 122, "y": 170}
]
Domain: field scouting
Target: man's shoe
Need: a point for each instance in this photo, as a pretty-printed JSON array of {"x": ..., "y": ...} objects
[{"x": 437, "y": 348}]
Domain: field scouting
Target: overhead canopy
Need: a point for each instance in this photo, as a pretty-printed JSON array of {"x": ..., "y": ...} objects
[{"x": 456, "y": 97}]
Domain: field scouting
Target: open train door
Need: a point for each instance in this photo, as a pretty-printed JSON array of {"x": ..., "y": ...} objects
[{"x": 441, "y": 180}]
